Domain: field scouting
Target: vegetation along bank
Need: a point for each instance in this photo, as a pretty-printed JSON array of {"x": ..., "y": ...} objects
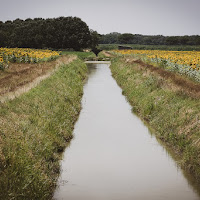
[
  {"x": 35, "y": 129},
  {"x": 167, "y": 102}
]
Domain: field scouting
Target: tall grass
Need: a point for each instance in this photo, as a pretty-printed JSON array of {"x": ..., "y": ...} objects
[{"x": 34, "y": 130}]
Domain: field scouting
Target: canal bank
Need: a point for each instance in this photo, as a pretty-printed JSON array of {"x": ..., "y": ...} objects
[
  {"x": 113, "y": 155},
  {"x": 165, "y": 107},
  {"x": 34, "y": 129}
]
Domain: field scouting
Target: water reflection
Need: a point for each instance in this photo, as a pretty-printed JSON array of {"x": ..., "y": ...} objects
[{"x": 112, "y": 156}]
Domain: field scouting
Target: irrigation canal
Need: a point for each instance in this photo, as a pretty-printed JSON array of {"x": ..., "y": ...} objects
[{"x": 113, "y": 156}]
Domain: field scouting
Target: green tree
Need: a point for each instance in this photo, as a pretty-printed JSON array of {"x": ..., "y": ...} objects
[
  {"x": 95, "y": 38},
  {"x": 111, "y": 38},
  {"x": 126, "y": 38},
  {"x": 57, "y": 33},
  {"x": 172, "y": 40}
]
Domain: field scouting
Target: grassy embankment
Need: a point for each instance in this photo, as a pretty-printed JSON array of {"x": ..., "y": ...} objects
[
  {"x": 35, "y": 129},
  {"x": 171, "y": 112},
  {"x": 81, "y": 55},
  {"x": 88, "y": 55},
  {"x": 152, "y": 47}
]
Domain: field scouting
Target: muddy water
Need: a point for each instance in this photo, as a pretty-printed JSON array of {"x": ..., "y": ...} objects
[{"x": 113, "y": 156}]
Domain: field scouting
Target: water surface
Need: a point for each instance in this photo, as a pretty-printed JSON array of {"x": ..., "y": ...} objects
[{"x": 113, "y": 156}]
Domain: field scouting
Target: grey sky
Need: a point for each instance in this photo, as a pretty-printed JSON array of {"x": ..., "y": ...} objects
[{"x": 151, "y": 17}]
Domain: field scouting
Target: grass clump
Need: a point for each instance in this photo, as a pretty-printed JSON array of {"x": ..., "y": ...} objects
[{"x": 35, "y": 129}]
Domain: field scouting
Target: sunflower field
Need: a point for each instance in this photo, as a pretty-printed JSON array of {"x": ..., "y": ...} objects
[
  {"x": 25, "y": 55},
  {"x": 183, "y": 62}
]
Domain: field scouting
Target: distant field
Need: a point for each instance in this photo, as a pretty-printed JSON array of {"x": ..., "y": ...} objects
[
  {"x": 183, "y": 62},
  {"x": 152, "y": 47}
]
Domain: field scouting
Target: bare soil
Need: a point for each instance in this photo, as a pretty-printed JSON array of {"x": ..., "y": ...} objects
[
  {"x": 22, "y": 76},
  {"x": 107, "y": 54}
]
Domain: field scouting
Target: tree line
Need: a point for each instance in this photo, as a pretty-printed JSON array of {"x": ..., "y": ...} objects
[
  {"x": 73, "y": 33},
  {"x": 128, "y": 38},
  {"x": 55, "y": 33}
]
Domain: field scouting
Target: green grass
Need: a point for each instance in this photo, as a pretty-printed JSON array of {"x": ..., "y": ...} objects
[
  {"x": 173, "y": 115},
  {"x": 152, "y": 47},
  {"x": 87, "y": 55},
  {"x": 34, "y": 130},
  {"x": 80, "y": 54}
]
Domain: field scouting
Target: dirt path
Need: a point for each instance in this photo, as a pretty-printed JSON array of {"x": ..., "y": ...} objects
[
  {"x": 20, "y": 78},
  {"x": 107, "y": 54}
]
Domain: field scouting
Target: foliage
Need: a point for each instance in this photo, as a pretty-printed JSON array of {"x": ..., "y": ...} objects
[
  {"x": 111, "y": 38},
  {"x": 128, "y": 38},
  {"x": 56, "y": 33},
  {"x": 95, "y": 37},
  {"x": 125, "y": 38}
]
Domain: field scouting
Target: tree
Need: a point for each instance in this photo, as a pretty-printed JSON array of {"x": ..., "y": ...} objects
[
  {"x": 95, "y": 38},
  {"x": 57, "y": 33},
  {"x": 197, "y": 40},
  {"x": 172, "y": 40},
  {"x": 111, "y": 38},
  {"x": 126, "y": 38}
]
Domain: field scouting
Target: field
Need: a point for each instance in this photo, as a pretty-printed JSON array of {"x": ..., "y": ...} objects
[
  {"x": 184, "y": 62},
  {"x": 152, "y": 47},
  {"x": 21, "y": 55}
]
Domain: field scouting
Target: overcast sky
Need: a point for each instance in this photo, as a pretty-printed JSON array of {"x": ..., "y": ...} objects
[{"x": 150, "y": 17}]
